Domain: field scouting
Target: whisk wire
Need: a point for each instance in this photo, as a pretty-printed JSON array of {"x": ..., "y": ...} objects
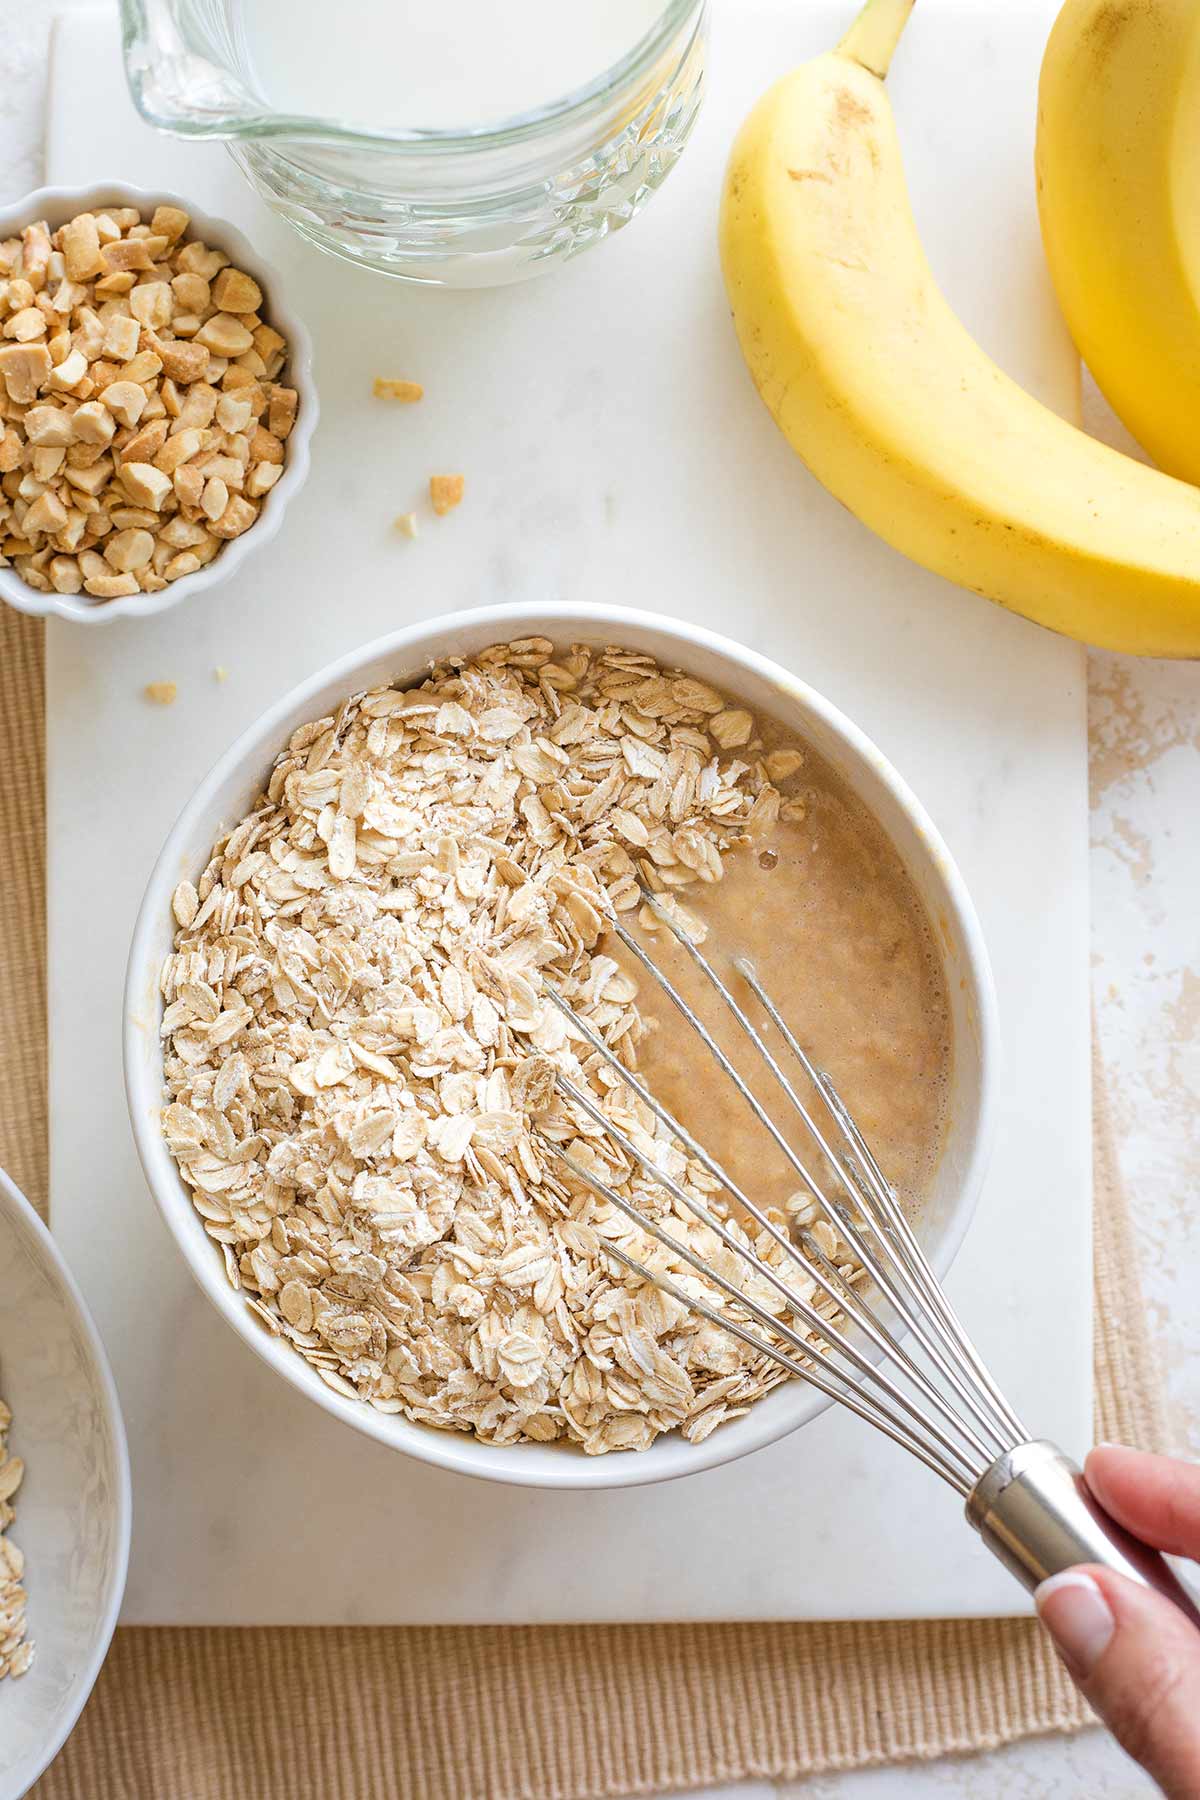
[
  {"x": 995, "y": 1427},
  {"x": 883, "y": 1339},
  {"x": 904, "y": 1241},
  {"x": 800, "y": 1307},
  {"x": 952, "y": 1466},
  {"x": 1029, "y": 1503}
]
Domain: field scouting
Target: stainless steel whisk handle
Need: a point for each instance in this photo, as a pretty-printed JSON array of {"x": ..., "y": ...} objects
[{"x": 1034, "y": 1511}]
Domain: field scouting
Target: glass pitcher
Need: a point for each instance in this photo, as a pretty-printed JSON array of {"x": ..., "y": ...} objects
[{"x": 462, "y": 204}]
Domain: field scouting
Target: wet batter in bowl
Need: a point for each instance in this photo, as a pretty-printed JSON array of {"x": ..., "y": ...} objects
[{"x": 820, "y": 902}]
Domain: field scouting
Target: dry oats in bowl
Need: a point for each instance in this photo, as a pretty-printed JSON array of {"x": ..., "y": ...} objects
[
  {"x": 156, "y": 402},
  {"x": 340, "y": 1057}
]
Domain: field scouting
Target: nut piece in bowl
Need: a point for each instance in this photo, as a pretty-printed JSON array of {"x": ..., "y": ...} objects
[
  {"x": 360, "y": 1058},
  {"x": 72, "y": 1505},
  {"x": 154, "y": 395}
]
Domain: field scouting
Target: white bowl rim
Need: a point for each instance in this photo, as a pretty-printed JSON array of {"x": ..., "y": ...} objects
[
  {"x": 458, "y": 1451},
  {"x": 123, "y": 1486},
  {"x": 219, "y": 234}
]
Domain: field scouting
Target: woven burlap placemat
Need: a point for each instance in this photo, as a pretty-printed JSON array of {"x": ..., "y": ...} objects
[{"x": 518, "y": 1713}]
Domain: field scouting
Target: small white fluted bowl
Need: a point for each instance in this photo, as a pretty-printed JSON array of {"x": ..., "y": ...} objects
[
  {"x": 73, "y": 1507},
  {"x": 240, "y": 776},
  {"x": 57, "y": 205}
]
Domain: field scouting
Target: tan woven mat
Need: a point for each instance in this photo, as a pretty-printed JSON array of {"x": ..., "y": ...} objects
[{"x": 503, "y": 1713}]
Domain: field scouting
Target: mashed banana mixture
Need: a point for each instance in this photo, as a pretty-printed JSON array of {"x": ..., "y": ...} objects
[{"x": 361, "y": 1056}]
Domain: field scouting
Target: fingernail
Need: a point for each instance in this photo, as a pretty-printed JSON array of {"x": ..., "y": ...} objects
[{"x": 1077, "y": 1616}]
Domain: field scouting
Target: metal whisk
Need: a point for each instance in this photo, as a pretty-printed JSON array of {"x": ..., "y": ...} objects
[{"x": 933, "y": 1394}]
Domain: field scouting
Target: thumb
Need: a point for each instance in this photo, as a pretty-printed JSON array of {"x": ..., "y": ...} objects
[{"x": 1137, "y": 1660}]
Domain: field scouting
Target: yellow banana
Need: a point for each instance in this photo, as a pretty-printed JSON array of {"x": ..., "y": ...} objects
[
  {"x": 1118, "y": 163},
  {"x": 893, "y": 405}
]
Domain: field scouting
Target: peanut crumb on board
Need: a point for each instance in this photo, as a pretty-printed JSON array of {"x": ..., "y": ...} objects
[
  {"x": 388, "y": 388},
  {"x": 446, "y": 492},
  {"x": 162, "y": 693},
  {"x": 221, "y": 673},
  {"x": 407, "y": 524}
]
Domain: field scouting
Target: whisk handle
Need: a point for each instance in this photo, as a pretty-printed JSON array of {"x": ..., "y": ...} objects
[{"x": 1034, "y": 1511}]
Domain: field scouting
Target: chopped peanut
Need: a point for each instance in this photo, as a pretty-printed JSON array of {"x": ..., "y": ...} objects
[
  {"x": 52, "y": 425},
  {"x": 65, "y": 577},
  {"x": 179, "y": 448},
  {"x": 388, "y": 389},
  {"x": 69, "y": 373},
  {"x": 143, "y": 406},
  {"x": 407, "y": 523},
  {"x": 129, "y": 550},
  {"x": 121, "y": 336},
  {"x": 126, "y": 255},
  {"x": 92, "y": 423},
  {"x": 233, "y": 413},
  {"x": 215, "y": 498},
  {"x": 171, "y": 221},
  {"x": 80, "y": 242},
  {"x": 110, "y": 587},
  {"x": 192, "y": 293},
  {"x": 224, "y": 335},
  {"x": 446, "y": 492},
  {"x": 110, "y": 286},
  {"x": 239, "y": 514},
  {"x": 145, "y": 446},
  {"x": 281, "y": 410},
  {"x": 197, "y": 259},
  {"x": 262, "y": 479},
  {"x": 46, "y": 515},
  {"x": 126, "y": 400},
  {"x": 183, "y": 362},
  {"x": 162, "y": 693},
  {"x": 235, "y": 292},
  {"x": 29, "y": 323},
  {"x": 265, "y": 447},
  {"x": 145, "y": 485},
  {"x": 45, "y": 462},
  {"x": 141, "y": 368},
  {"x": 188, "y": 483}
]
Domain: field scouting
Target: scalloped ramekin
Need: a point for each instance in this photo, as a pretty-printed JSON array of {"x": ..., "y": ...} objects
[{"x": 57, "y": 205}]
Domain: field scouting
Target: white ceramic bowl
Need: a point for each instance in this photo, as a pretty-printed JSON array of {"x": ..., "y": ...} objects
[
  {"x": 73, "y": 1507},
  {"x": 239, "y": 777},
  {"x": 57, "y": 205}
]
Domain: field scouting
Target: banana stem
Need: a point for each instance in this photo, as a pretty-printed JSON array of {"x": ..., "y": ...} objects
[{"x": 873, "y": 37}]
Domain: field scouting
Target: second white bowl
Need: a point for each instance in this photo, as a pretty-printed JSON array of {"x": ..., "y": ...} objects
[
  {"x": 73, "y": 1507},
  {"x": 232, "y": 786}
]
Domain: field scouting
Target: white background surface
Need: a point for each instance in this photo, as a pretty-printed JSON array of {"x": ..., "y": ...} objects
[
  {"x": 1145, "y": 869},
  {"x": 598, "y": 466}
]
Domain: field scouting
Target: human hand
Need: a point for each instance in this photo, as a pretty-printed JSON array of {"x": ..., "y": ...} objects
[{"x": 1130, "y": 1651}]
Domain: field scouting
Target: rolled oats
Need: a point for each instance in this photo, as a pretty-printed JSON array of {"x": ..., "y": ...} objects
[
  {"x": 361, "y": 1058},
  {"x": 16, "y": 1653}
]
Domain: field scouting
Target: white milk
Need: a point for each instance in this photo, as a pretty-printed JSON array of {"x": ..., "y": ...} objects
[{"x": 436, "y": 63}]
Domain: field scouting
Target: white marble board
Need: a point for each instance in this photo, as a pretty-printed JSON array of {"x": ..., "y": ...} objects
[{"x": 614, "y": 449}]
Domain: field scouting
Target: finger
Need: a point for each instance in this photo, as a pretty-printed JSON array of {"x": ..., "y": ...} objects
[
  {"x": 1137, "y": 1660},
  {"x": 1155, "y": 1497}
]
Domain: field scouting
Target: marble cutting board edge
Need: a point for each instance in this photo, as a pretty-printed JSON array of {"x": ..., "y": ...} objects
[{"x": 613, "y": 448}]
